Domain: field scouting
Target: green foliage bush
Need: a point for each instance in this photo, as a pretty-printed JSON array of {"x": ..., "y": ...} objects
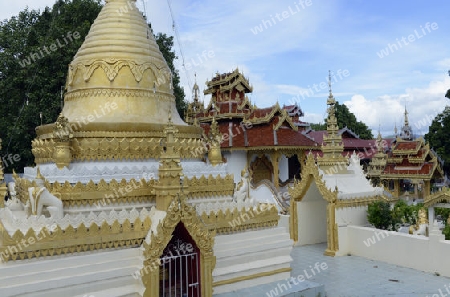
[{"x": 379, "y": 215}]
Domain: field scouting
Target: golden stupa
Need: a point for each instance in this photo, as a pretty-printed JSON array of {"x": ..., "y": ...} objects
[{"x": 119, "y": 92}]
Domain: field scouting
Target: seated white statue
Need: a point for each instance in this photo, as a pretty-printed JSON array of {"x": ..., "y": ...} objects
[
  {"x": 241, "y": 192},
  {"x": 39, "y": 197},
  {"x": 13, "y": 203}
]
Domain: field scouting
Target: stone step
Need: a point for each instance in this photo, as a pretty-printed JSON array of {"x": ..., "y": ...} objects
[
  {"x": 230, "y": 259},
  {"x": 247, "y": 268},
  {"x": 70, "y": 273},
  {"x": 22, "y": 268},
  {"x": 66, "y": 281}
]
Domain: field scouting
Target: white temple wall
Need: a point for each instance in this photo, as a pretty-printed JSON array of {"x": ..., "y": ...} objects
[
  {"x": 352, "y": 216},
  {"x": 283, "y": 166},
  {"x": 429, "y": 254},
  {"x": 312, "y": 217},
  {"x": 236, "y": 161}
]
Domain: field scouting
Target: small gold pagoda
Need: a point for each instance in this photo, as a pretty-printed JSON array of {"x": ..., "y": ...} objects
[{"x": 332, "y": 146}]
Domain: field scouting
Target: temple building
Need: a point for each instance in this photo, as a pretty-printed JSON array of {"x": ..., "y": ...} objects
[
  {"x": 269, "y": 141},
  {"x": 408, "y": 165},
  {"x": 127, "y": 199}
]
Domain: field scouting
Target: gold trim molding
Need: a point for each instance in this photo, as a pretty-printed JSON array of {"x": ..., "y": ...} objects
[
  {"x": 252, "y": 276},
  {"x": 72, "y": 240}
]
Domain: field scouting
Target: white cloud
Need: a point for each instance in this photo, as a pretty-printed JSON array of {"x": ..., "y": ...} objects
[
  {"x": 314, "y": 117},
  {"x": 388, "y": 110}
]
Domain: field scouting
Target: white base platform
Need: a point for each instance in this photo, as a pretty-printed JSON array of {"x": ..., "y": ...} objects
[{"x": 251, "y": 253}]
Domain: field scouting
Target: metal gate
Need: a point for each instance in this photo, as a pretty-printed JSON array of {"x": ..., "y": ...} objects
[{"x": 180, "y": 276}]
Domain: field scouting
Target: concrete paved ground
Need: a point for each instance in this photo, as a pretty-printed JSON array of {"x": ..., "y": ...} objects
[{"x": 352, "y": 276}]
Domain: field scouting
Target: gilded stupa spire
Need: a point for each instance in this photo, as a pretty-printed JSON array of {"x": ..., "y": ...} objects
[
  {"x": 332, "y": 146},
  {"x": 378, "y": 162},
  {"x": 118, "y": 87},
  {"x": 406, "y": 131}
]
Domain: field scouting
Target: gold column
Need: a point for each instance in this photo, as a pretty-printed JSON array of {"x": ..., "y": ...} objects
[
  {"x": 293, "y": 219},
  {"x": 426, "y": 188},
  {"x": 62, "y": 133},
  {"x": 332, "y": 242},
  {"x": 170, "y": 172},
  {"x": 206, "y": 272},
  {"x": 276, "y": 173},
  {"x": 396, "y": 188},
  {"x": 151, "y": 281}
]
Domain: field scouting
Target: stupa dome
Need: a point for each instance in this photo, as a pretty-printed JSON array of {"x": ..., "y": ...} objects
[
  {"x": 119, "y": 96},
  {"x": 119, "y": 63}
]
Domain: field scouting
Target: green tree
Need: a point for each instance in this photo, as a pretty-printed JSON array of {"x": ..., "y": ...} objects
[
  {"x": 438, "y": 136},
  {"x": 345, "y": 118},
  {"x": 165, "y": 44},
  {"x": 319, "y": 126},
  {"x": 31, "y": 76},
  {"x": 403, "y": 213},
  {"x": 379, "y": 215}
]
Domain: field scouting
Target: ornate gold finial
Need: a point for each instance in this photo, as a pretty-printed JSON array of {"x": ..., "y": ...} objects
[
  {"x": 38, "y": 174},
  {"x": 62, "y": 129},
  {"x": 196, "y": 124}
]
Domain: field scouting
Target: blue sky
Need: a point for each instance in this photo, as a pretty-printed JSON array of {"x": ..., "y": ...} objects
[{"x": 297, "y": 42}]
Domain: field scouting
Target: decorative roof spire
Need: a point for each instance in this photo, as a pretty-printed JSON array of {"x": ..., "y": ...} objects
[
  {"x": 406, "y": 117},
  {"x": 332, "y": 146},
  {"x": 195, "y": 89},
  {"x": 406, "y": 131}
]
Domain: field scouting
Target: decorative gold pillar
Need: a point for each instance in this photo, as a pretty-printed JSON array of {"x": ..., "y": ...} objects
[
  {"x": 151, "y": 280},
  {"x": 170, "y": 172},
  {"x": 396, "y": 188},
  {"x": 426, "y": 188},
  {"x": 206, "y": 271},
  {"x": 332, "y": 232},
  {"x": 276, "y": 171},
  {"x": 293, "y": 228},
  {"x": 62, "y": 133}
]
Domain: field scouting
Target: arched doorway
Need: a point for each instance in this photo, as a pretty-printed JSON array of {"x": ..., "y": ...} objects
[
  {"x": 182, "y": 223},
  {"x": 180, "y": 266}
]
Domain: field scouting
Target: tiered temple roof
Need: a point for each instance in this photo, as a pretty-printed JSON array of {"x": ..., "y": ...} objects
[
  {"x": 412, "y": 159},
  {"x": 243, "y": 124}
]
